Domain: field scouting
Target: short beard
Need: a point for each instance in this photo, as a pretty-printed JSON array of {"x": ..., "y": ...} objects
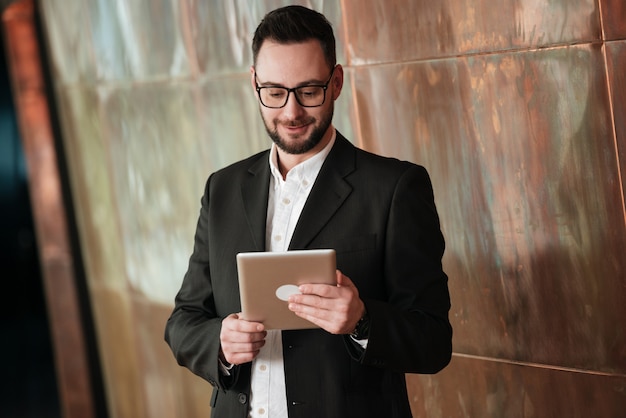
[{"x": 301, "y": 147}]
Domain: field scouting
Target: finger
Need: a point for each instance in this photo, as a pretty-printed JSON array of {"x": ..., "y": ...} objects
[
  {"x": 313, "y": 301},
  {"x": 239, "y": 354},
  {"x": 241, "y": 337},
  {"x": 248, "y": 327},
  {"x": 318, "y": 311},
  {"x": 234, "y": 334},
  {"x": 323, "y": 290},
  {"x": 326, "y": 290},
  {"x": 343, "y": 280},
  {"x": 236, "y": 323},
  {"x": 327, "y": 325},
  {"x": 242, "y": 348},
  {"x": 235, "y": 330},
  {"x": 242, "y": 358}
]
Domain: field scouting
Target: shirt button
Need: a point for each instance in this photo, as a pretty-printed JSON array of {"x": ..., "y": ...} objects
[
  {"x": 263, "y": 367},
  {"x": 242, "y": 398},
  {"x": 277, "y": 238},
  {"x": 261, "y": 411},
  {"x": 305, "y": 183},
  {"x": 286, "y": 201}
]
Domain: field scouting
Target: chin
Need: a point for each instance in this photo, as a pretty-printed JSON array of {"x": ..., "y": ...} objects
[{"x": 297, "y": 146}]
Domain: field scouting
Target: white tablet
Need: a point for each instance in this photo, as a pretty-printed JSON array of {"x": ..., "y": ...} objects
[{"x": 266, "y": 279}]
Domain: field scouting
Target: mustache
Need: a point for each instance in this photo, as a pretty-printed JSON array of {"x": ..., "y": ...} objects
[{"x": 297, "y": 122}]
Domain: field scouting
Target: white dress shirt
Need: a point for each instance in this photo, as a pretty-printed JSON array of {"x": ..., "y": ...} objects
[{"x": 286, "y": 201}]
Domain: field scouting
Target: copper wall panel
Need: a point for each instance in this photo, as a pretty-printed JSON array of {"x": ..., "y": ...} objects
[
  {"x": 102, "y": 250},
  {"x": 401, "y": 30},
  {"x": 157, "y": 40},
  {"x": 49, "y": 212},
  {"x": 222, "y": 33},
  {"x": 481, "y": 387},
  {"x": 616, "y": 61},
  {"x": 511, "y": 144},
  {"x": 116, "y": 41},
  {"x": 613, "y": 19}
]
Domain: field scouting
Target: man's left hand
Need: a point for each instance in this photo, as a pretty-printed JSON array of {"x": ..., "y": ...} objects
[{"x": 336, "y": 309}]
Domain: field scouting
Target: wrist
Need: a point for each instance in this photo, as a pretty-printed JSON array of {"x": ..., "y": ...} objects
[{"x": 362, "y": 328}]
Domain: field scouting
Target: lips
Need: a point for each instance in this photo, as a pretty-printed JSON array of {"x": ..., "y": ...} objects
[{"x": 296, "y": 129}]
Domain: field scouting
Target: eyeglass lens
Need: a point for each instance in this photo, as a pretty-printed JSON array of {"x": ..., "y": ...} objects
[{"x": 308, "y": 96}]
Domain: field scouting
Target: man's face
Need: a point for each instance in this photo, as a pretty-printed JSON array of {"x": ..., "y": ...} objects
[{"x": 294, "y": 128}]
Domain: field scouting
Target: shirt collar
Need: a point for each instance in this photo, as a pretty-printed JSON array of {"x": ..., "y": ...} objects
[{"x": 307, "y": 169}]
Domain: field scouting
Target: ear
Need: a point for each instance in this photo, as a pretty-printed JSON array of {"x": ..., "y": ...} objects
[
  {"x": 337, "y": 82},
  {"x": 252, "y": 80}
]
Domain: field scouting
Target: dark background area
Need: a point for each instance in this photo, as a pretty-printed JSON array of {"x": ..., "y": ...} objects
[{"x": 28, "y": 382}]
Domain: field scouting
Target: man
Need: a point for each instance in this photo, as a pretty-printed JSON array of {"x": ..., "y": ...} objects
[{"x": 388, "y": 313}]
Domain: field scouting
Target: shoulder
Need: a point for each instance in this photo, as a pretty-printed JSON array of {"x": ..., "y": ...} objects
[
  {"x": 369, "y": 160},
  {"x": 376, "y": 165},
  {"x": 222, "y": 181},
  {"x": 389, "y": 163},
  {"x": 375, "y": 174},
  {"x": 251, "y": 164}
]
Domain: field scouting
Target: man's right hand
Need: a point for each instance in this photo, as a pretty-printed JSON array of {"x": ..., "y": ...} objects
[{"x": 241, "y": 340}]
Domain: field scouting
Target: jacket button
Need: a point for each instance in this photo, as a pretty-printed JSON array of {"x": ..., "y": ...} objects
[{"x": 242, "y": 398}]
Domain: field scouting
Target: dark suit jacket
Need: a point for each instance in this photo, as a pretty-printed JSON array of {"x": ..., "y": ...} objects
[{"x": 379, "y": 215}]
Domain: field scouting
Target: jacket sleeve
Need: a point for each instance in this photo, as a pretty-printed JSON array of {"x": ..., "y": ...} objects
[{"x": 410, "y": 331}]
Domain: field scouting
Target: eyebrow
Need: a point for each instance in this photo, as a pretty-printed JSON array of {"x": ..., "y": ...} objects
[{"x": 310, "y": 82}]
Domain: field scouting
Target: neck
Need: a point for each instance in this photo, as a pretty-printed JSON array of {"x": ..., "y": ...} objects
[{"x": 288, "y": 161}]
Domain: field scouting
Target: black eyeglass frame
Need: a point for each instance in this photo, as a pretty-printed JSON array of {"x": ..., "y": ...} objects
[{"x": 293, "y": 90}]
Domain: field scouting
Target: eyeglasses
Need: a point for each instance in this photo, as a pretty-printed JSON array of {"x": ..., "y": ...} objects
[{"x": 275, "y": 97}]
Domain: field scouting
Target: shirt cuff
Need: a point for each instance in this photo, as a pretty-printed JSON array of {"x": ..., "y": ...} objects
[
  {"x": 225, "y": 369},
  {"x": 362, "y": 343}
]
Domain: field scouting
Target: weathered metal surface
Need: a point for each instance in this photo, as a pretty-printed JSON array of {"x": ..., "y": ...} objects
[
  {"x": 49, "y": 210},
  {"x": 485, "y": 387},
  {"x": 400, "y": 30},
  {"x": 613, "y": 19},
  {"x": 159, "y": 40},
  {"x": 616, "y": 61}
]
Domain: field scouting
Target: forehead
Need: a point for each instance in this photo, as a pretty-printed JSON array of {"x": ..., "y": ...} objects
[{"x": 291, "y": 62}]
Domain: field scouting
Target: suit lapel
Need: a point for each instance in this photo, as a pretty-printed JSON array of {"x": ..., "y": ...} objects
[
  {"x": 254, "y": 193},
  {"x": 328, "y": 194}
]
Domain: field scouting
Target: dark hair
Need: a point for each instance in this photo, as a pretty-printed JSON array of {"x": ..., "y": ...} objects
[{"x": 293, "y": 24}]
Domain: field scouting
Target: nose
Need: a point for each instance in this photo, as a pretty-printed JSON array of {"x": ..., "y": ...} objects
[{"x": 293, "y": 109}]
